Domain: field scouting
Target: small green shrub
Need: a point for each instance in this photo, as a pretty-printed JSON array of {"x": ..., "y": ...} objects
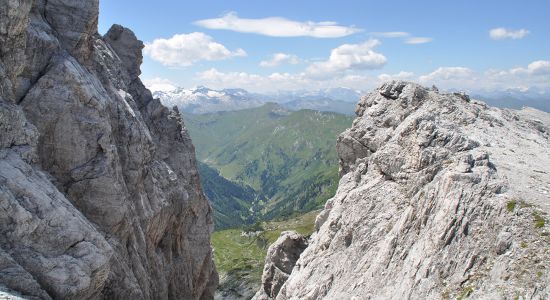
[
  {"x": 466, "y": 292},
  {"x": 511, "y": 205},
  {"x": 523, "y": 245},
  {"x": 539, "y": 221}
]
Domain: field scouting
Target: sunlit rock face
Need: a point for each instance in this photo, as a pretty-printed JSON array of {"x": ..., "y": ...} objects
[
  {"x": 99, "y": 188},
  {"x": 441, "y": 197}
]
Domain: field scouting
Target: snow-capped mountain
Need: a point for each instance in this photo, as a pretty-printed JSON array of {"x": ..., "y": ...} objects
[
  {"x": 201, "y": 99},
  {"x": 321, "y": 104},
  {"x": 339, "y": 94}
]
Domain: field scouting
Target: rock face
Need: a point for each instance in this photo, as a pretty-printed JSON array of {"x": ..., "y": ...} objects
[
  {"x": 279, "y": 262},
  {"x": 99, "y": 190},
  {"x": 441, "y": 197}
]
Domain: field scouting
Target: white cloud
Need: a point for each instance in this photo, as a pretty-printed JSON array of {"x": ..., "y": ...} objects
[
  {"x": 391, "y": 34},
  {"x": 185, "y": 49},
  {"x": 349, "y": 57},
  {"x": 533, "y": 75},
  {"x": 418, "y": 40},
  {"x": 403, "y": 75},
  {"x": 253, "y": 82},
  {"x": 278, "y": 27},
  {"x": 503, "y": 33},
  {"x": 159, "y": 84},
  {"x": 280, "y": 81},
  {"x": 539, "y": 67},
  {"x": 280, "y": 58},
  {"x": 408, "y": 39},
  {"x": 447, "y": 74}
]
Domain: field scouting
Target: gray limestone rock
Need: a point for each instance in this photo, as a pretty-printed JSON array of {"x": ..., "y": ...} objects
[
  {"x": 279, "y": 262},
  {"x": 99, "y": 187},
  {"x": 441, "y": 197}
]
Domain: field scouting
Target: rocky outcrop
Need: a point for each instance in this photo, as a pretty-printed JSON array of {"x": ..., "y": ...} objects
[
  {"x": 279, "y": 262},
  {"x": 441, "y": 197},
  {"x": 99, "y": 189}
]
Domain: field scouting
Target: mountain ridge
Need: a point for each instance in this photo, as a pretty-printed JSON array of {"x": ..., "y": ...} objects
[
  {"x": 201, "y": 99},
  {"x": 441, "y": 197}
]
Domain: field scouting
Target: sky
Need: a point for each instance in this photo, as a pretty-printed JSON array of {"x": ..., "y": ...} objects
[{"x": 266, "y": 46}]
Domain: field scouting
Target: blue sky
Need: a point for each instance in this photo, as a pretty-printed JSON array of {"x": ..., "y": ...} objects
[{"x": 470, "y": 45}]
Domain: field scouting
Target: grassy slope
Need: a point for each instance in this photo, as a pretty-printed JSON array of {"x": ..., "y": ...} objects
[
  {"x": 231, "y": 201},
  {"x": 287, "y": 157},
  {"x": 241, "y": 259}
]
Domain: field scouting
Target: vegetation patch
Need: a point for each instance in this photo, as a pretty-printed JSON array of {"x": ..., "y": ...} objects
[
  {"x": 240, "y": 252},
  {"x": 273, "y": 163},
  {"x": 511, "y": 205},
  {"x": 465, "y": 293},
  {"x": 539, "y": 221},
  {"x": 523, "y": 245}
]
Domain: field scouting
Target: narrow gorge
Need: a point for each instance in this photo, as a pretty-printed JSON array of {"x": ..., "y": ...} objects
[{"x": 439, "y": 195}]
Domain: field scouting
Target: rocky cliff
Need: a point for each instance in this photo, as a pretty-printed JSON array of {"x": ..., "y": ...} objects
[
  {"x": 280, "y": 260},
  {"x": 99, "y": 190},
  {"x": 441, "y": 197}
]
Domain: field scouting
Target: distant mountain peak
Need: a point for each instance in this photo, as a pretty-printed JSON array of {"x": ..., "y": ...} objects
[{"x": 201, "y": 99}]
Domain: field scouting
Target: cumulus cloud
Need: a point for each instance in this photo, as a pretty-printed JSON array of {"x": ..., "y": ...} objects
[
  {"x": 280, "y": 58},
  {"x": 349, "y": 57},
  {"x": 278, "y": 27},
  {"x": 185, "y": 49},
  {"x": 403, "y": 75},
  {"x": 503, "y": 33},
  {"x": 539, "y": 67},
  {"x": 418, "y": 40},
  {"x": 159, "y": 84},
  {"x": 280, "y": 81},
  {"x": 533, "y": 75},
  {"x": 253, "y": 82},
  {"x": 447, "y": 74}
]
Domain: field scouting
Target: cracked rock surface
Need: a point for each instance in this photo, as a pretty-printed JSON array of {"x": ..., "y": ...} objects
[
  {"x": 99, "y": 190},
  {"x": 280, "y": 259},
  {"x": 441, "y": 197}
]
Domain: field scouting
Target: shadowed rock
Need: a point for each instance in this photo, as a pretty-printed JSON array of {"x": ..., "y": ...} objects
[{"x": 99, "y": 188}]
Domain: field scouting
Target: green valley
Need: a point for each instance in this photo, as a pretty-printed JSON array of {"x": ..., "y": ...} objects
[
  {"x": 266, "y": 162},
  {"x": 240, "y": 258}
]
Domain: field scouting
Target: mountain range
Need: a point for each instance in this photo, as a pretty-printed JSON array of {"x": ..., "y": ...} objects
[
  {"x": 200, "y": 100},
  {"x": 517, "y": 99}
]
